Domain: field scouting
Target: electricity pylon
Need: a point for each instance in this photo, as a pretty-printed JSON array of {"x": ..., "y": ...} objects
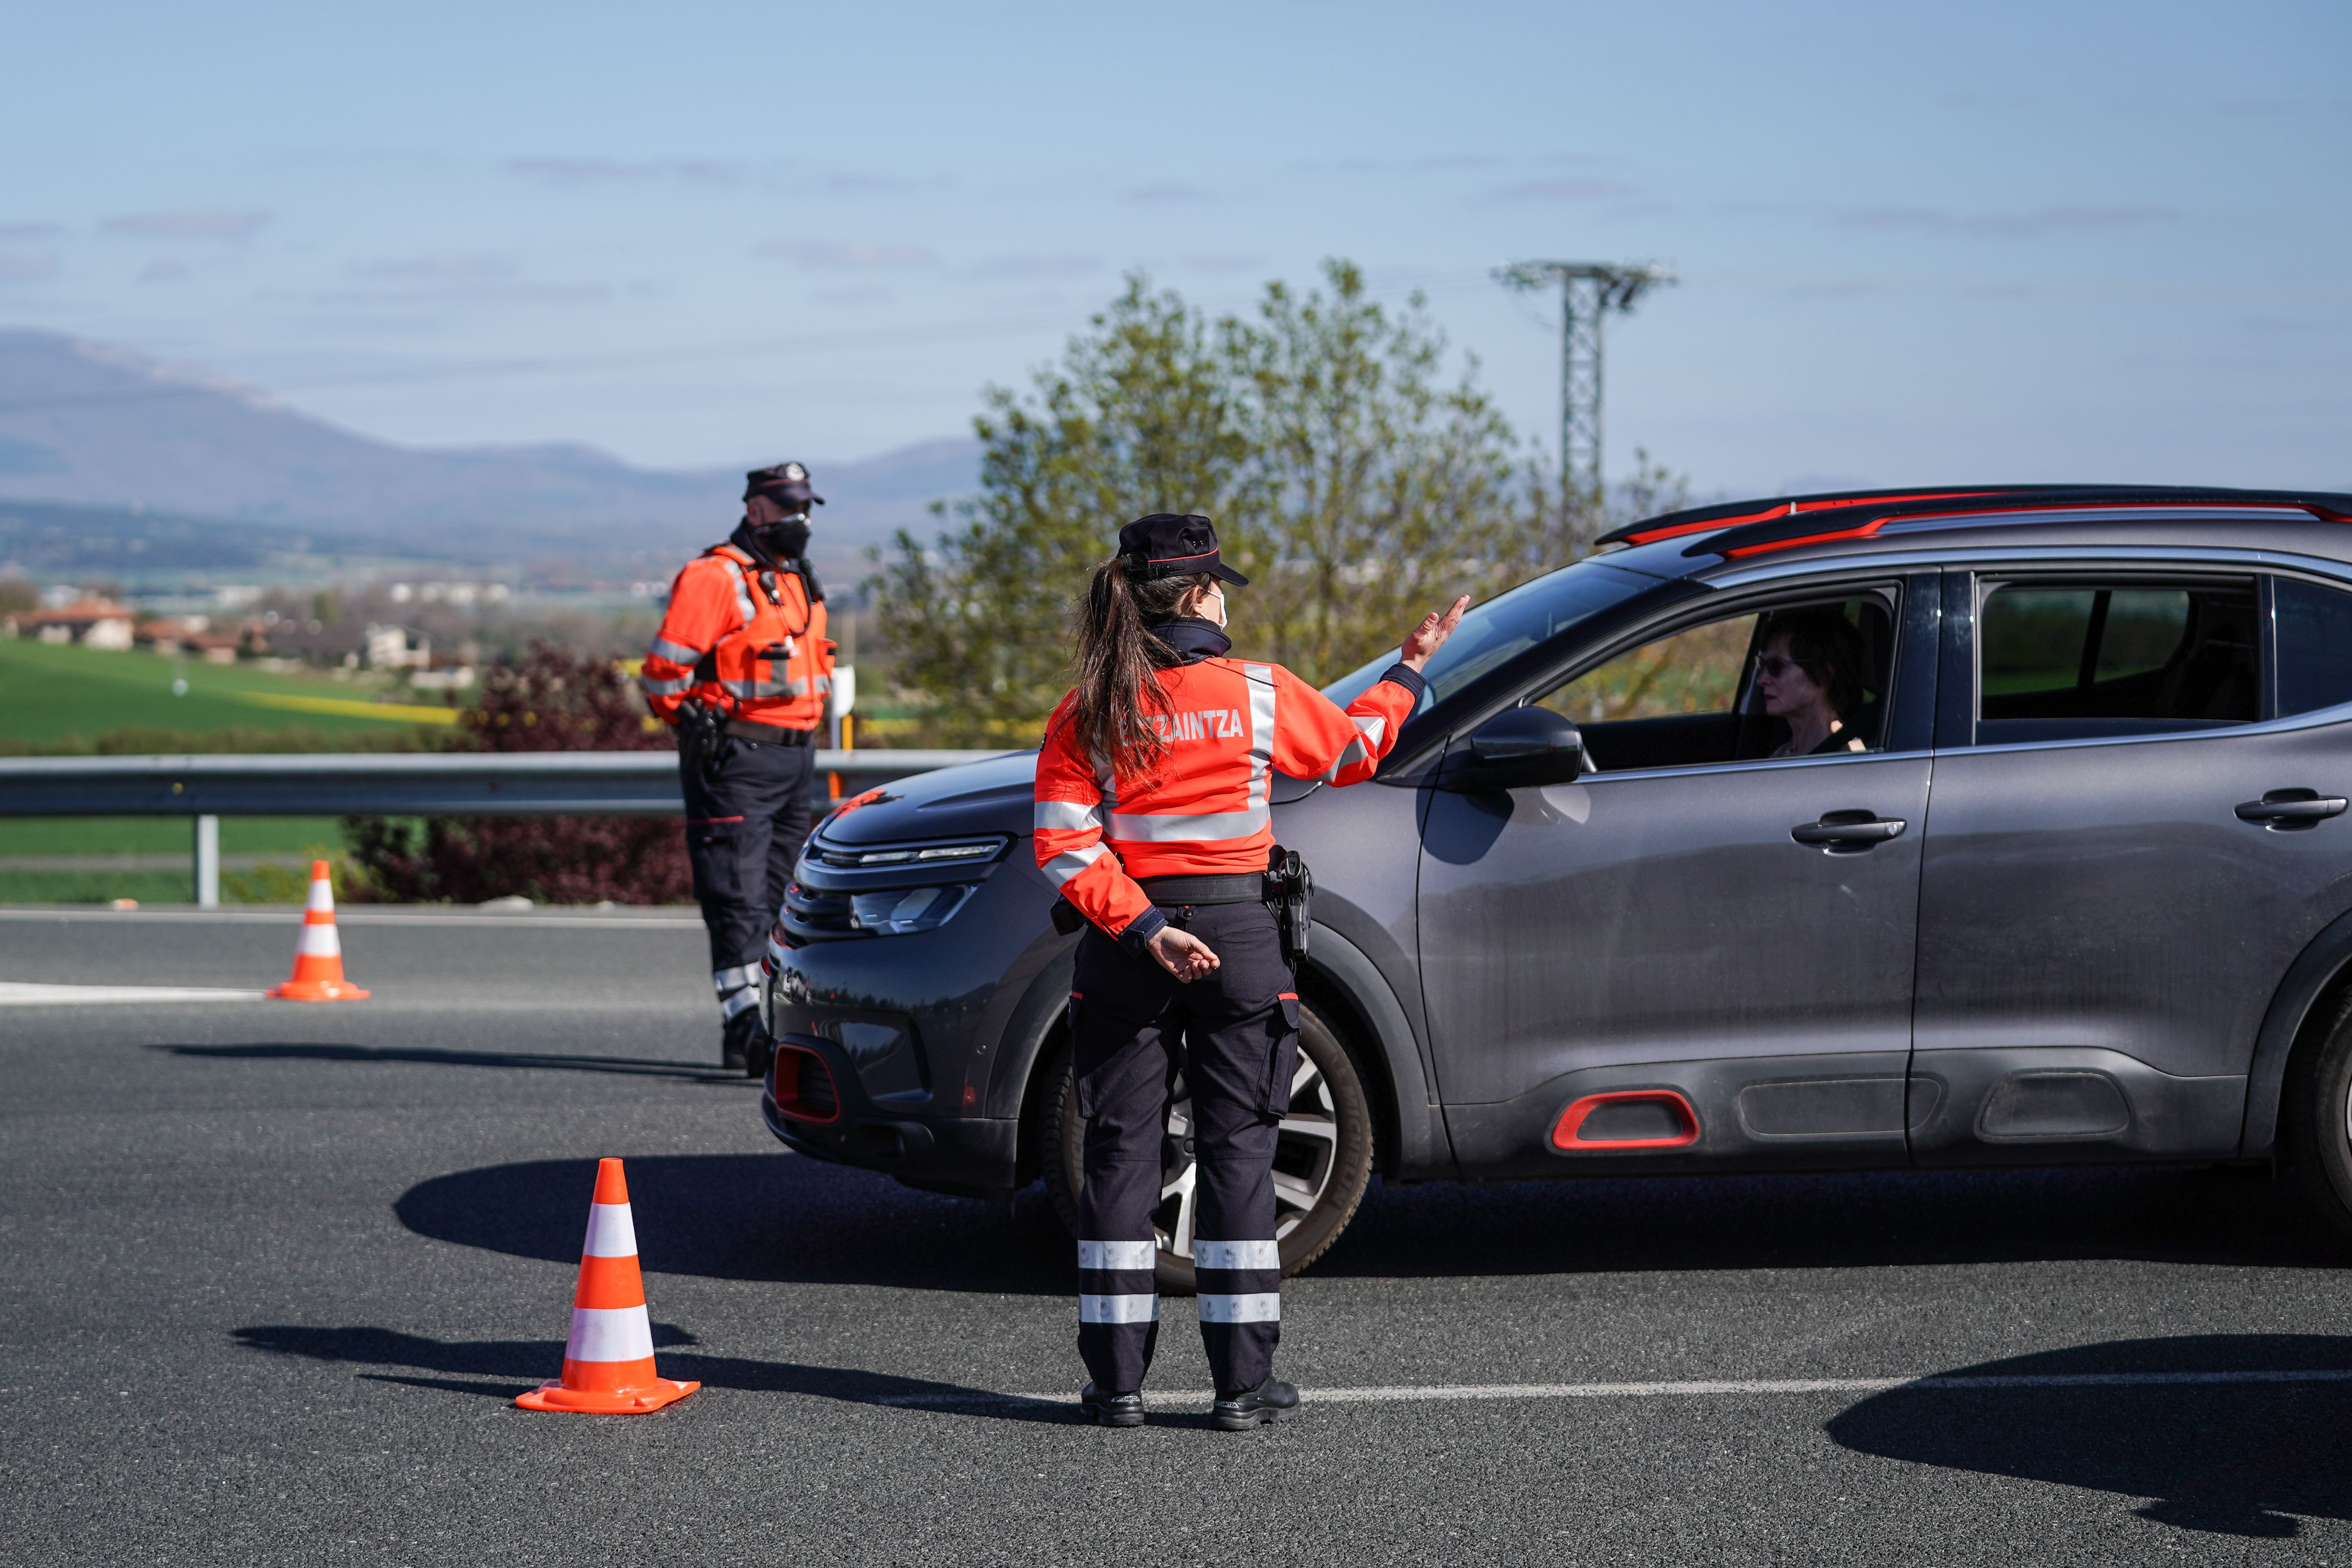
[{"x": 1588, "y": 290}]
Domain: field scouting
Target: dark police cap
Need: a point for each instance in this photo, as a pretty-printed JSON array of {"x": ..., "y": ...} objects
[
  {"x": 1166, "y": 544},
  {"x": 784, "y": 482}
]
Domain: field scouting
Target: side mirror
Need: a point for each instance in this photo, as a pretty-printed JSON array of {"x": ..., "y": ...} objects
[{"x": 1518, "y": 748}]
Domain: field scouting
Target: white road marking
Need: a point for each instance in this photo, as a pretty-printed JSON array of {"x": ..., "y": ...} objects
[
  {"x": 1932, "y": 1384},
  {"x": 23, "y": 993}
]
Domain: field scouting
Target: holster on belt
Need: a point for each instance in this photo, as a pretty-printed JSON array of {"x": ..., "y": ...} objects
[
  {"x": 701, "y": 733},
  {"x": 1290, "y": 896}
]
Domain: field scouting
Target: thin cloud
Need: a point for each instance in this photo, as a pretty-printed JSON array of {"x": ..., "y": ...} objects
[
  {"x": 443, "y": 270},
  {"x": 838, "y": 256},
  {"x": 485, "y": 289},
  {"x": 188, "y": 223},
  {"x": 851, "y": 183},
  {"x": 28, "y": 230},
  {"x": 2031, "y": 225},
  {"x": 1166, "y": 191},
  {"x": 1063, "y": 265},
  {"x": 573, "y": 174},
  {"x": 165, "y": 270},
  {"x": 1220, "y": 261},
  {"x": 28, "y": 266},
  {"x": 1564, "y": 188}
]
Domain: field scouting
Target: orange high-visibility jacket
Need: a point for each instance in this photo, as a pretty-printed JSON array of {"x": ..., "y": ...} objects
[
  {"x": 732, "y": 641},
  {"x": 1230, "y": 725}
]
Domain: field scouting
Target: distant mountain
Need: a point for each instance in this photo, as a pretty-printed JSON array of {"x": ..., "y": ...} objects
[{"x": 95, "y": 426}]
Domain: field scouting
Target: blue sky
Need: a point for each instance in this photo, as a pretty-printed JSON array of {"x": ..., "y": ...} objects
[{"x": 1917, "y": 243}]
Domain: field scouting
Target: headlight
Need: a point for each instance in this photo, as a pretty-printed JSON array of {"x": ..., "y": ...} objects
[
  {"x": 901, "y": 911},
  {"x": 883, "y": 889}
]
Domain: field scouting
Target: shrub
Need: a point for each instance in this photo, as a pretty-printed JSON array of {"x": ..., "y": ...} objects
[{"x": 551, "y": 701}]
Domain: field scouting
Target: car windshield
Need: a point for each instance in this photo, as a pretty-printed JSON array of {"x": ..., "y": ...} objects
[{"x": 1505, "y": 625}]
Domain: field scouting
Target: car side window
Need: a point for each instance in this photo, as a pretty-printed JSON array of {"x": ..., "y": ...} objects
[
  {"x": 2060, "y": 661},
  {"x": 2311, "y": 630},
  {"x": 1693, "y": 698}
]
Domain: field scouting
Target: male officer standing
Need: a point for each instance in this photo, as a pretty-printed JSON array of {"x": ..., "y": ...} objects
[{"x": 742, "y": 667}]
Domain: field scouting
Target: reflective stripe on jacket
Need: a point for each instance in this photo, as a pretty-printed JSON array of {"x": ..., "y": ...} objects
[
  {"x": 1230, "y": 725},
  {"x": 726, "y": 643}
]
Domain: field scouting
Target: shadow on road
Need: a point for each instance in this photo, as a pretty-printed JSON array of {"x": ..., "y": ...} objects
[
  {"x": 2235, "y": 1458},
  {"x": 425, "y": 1056},
  {"x": 755, "y": 1216},
  {"x": 765, "y": 1218},
  {"x": 1856, "y": 1220},
  {"x": 500, "y": 1369}
]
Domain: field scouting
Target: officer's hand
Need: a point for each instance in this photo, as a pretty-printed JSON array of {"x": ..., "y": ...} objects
[
  {"x": 1431, "y": 634},
  {"x": 1182, "y": 954}
]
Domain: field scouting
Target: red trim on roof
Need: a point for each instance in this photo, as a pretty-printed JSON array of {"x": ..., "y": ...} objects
[
  {"x": 1871, "y": 528},
  {"x": 1791, "y": 508}
]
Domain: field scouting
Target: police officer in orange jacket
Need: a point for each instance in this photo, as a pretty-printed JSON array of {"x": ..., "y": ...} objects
[
  {"x": 742, "y": 667},
  {"x": 1152, "y": 818}
]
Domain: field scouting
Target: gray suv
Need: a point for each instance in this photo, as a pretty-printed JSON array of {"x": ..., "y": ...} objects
[{"x": 2078, "y": 889}]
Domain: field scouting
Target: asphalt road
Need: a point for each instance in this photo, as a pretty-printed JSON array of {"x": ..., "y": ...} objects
[{"x": 276, "y": 1273}]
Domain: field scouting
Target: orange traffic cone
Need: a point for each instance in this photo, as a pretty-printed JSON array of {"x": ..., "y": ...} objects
[
  {"x": 318, "y": 952},
  {"x": 608, "y": 1362}
]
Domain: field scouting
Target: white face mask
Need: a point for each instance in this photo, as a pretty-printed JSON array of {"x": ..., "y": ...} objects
[{"x": 1214, "y": 596}]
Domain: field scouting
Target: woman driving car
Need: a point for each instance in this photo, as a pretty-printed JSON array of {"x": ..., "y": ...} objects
[{"x": 1810, "y": 676}]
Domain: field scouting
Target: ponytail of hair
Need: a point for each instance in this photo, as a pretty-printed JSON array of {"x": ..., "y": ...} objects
[{"x": 1120, "y": 659}]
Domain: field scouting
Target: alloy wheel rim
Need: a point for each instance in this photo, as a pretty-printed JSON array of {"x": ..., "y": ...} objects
[{"x": 1305, "y": 1157}]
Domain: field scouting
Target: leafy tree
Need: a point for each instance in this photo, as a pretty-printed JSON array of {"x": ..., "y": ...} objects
[
  {"x": 1355, "y": 485},
  {"x": 1377, "y": 493},
  {"x": 1138, "y": 417}
]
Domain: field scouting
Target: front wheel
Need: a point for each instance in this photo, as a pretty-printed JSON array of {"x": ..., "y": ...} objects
[
  {"x": 1322, "y": 1157},
  {"x": 2318, "y": 1120}
]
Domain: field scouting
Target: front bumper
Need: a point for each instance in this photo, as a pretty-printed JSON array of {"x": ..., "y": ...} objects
[
  {"x": 969, "y": 1155},
  {"x": 915, "y": 1031}
]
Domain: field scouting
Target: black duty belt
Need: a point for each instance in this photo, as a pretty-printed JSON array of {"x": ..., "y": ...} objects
[
  {"x": 1240, "y": 888},
  {"x": 773, "y": 734}
]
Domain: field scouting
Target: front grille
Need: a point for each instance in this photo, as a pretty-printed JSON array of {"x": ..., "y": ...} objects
[{"x": 815, "y": 909}]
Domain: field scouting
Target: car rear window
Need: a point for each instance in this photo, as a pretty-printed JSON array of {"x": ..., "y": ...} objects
[
  {"x": 2075, "y": 660},
  {"x": 2314, "y": 630}
]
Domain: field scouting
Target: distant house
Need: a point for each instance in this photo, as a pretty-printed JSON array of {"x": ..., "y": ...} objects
[
  {"x": 185, "y": 637},
  {"x": 312, "y": 642},
  {"x": 398, "y": 648},
  {"x": 92, "y": 623}
]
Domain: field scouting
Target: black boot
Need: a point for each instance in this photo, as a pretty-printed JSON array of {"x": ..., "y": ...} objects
[
  {"x": 758, "y": 1054},
  {"x": 1273, "y": 1399},
  {"x": 737, "y": 1037},
  {"x": 1111, "y": 1409}
]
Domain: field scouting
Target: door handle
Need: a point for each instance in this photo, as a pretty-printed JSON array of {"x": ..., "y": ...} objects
[
  {"x": 1848, "y": 832},
  {"x": 2290, "y": 810}
]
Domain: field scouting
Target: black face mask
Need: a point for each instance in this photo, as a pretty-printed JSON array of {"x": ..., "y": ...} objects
[{"x": 786, "y": 540}]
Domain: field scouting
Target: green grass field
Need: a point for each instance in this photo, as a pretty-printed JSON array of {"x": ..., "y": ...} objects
[
  {"x": 51, "y": 693},
  {"x": 54, "y": 698}
]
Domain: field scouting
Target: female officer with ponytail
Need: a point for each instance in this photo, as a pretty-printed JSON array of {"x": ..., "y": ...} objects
[{"x": 1151, "y": 819}]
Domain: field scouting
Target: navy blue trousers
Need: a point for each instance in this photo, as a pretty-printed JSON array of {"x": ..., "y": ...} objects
[
  {"x": 744, "y": 830},
  {"x": 1235, "y": 1035}
]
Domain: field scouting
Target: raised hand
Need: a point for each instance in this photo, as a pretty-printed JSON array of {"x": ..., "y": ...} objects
[{"x": 1431, "y": 634}]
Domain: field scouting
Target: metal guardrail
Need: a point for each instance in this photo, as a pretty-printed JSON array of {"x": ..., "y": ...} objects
[
  {"x": 399, "y": 784},
  {"x": 361, "y": 783}
]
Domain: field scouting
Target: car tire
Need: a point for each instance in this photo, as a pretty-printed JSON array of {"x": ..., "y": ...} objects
[
  {"x": 2318, "y": 1131},
  {"x": 1323, "y": 1162}
]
